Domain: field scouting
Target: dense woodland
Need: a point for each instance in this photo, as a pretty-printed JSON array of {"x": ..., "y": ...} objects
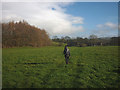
[
  {"x": 93, "y": 40},
  {"x": 18, "y": 34}
]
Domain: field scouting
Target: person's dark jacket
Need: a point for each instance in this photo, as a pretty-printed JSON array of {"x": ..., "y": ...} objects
[{"x": 66, "y": 52}]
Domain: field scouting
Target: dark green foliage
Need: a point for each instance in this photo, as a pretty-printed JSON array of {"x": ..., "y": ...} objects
[
  {"x": 93, "y": 40},
  {"x": 89, "y": 67}
]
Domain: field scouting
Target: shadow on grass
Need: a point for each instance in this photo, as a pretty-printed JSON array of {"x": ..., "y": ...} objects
[{"x": 117, "y": 70}]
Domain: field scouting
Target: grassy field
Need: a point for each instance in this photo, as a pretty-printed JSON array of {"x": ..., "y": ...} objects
[{"x": 89, "y": 67}]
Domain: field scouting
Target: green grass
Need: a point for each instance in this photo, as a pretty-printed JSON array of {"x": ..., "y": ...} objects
[{"x": 90, "y": 67}]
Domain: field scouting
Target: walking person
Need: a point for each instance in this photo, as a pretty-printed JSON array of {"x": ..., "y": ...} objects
[{"x": 67, "y": 54}]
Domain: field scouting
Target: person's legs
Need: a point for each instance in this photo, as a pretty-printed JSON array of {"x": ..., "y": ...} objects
[{"x": 67, "y": 58}]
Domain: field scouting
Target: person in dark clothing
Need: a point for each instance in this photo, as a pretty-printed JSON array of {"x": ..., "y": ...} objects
[{"x": 67, "y": 54}]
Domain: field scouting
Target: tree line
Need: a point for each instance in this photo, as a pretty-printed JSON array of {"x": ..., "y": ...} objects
[
  {"x": 18, "y": 34},
  {"x": 93, "y": 40}
]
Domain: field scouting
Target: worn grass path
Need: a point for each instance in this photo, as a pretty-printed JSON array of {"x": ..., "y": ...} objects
[{"x": 89, "y": 67}]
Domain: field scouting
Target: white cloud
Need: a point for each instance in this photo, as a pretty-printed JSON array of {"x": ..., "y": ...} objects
[
  {"x": 108, "y": 25},
  {"x": 106, "y": 29},
  {"x": 99, "y": 25},
  {"x": 48, "y": 16},
  {"x": 77, "y": 20},
  {"x": 111, "y": 25}
]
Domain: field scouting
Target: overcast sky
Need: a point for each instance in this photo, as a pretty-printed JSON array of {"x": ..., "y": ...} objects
[{"x": 75, "y": 19}]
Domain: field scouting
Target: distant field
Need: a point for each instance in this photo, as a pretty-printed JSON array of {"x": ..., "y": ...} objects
[{"x": 90, "y": 67}]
